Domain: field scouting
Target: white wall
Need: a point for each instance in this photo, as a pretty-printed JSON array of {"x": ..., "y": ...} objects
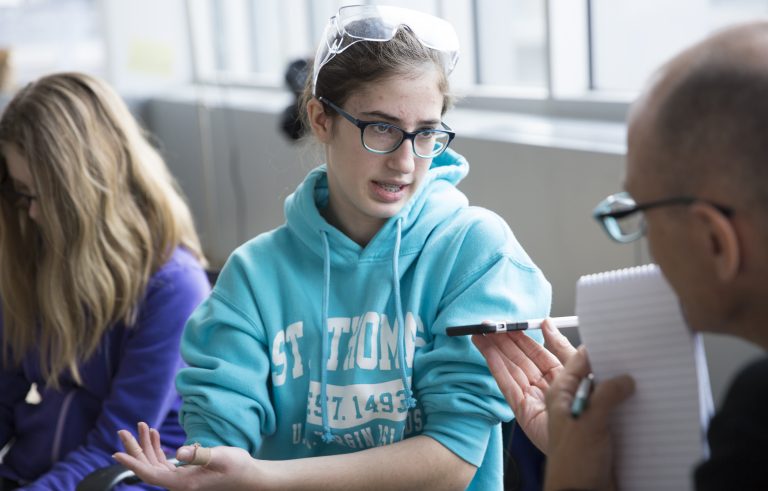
[
  {"x": 238, "y": 191},
  {"x": 148, "y": 46}
]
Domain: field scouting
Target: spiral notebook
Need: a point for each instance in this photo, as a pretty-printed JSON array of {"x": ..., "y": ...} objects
[{"x": 630, "y": 322}]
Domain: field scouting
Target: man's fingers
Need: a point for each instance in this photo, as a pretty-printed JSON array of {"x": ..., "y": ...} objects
[
  {"x": 514, "y": 362},
  {"x": 608, "y": 394},
  {"x": 533, "y": 361},
  {"x": 483, "y": 343},
  {"x": 500, "y": 368},
  {"x": 563, "y": 388},
  {"x": 578, "y": 364},
  {"x": 555, "y": 342},
  {"x": 545, "y": 362}
]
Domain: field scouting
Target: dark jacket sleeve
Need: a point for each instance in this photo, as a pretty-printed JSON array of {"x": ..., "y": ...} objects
[
  {"x": 13, "y": 388},
  {"x": 142, "y": 388},
  {"x": 738, "y": 436}
]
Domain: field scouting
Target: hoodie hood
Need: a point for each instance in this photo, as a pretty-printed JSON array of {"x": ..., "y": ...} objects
[{"x": 302, "y": 212}]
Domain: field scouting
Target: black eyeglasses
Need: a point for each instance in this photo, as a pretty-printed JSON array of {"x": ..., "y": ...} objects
[
  {"x": 381, "y": 138},
  {"x": 621, "y": 218},
  {"x": 12, "y": 196}
]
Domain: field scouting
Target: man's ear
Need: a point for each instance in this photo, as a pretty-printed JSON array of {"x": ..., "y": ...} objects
[
  {"x": 722, "y": 240},
  {"x": 320, "y": 122}
]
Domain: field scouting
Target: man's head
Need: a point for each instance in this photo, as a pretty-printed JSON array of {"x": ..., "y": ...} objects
[{"x": 701, "y": 130}]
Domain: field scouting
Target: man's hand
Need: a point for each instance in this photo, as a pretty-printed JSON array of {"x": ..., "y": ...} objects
[
  {"x": 524, "y": 370},
  {"x": 579, "y": 451}
]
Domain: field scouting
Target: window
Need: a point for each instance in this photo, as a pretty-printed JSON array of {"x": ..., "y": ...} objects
[
  {"x": 252, "y": 41},
  {"x": 51, "y": 35},
  {"x": 586, "y": 57},
  {"x": 632, "y": 38},
  {"x": 539, "y": 53},
  {"x": 511, "y": 45}
]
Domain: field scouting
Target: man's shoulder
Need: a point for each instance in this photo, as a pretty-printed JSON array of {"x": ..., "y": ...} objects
[
  {"x": 755, "y": 371},
  {"x": 738, "y": 434},
  {"x": 749, "y": 389}
]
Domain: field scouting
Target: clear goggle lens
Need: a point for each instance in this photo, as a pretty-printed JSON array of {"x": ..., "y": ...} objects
[{"x": 354, "y": 23}]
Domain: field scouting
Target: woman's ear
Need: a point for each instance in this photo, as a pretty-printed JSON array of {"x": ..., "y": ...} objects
[
  {"x": 723, "y": 240},
  {"x": 320, "y": 122}
]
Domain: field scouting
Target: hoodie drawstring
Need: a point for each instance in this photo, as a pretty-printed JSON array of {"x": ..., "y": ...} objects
[
  {"x": 327, "y": 436},
  {"x": 410, "y": 401}
]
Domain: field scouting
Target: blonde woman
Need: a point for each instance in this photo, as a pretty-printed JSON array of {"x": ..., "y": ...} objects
[{"x": 100, "y": 265}]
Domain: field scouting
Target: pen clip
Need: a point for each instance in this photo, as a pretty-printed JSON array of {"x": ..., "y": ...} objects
[
  {"x": 581, "y": 397},
  {"x": 516, "y": 326}
]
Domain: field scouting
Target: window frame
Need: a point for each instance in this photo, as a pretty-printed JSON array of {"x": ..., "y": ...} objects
[{"x": 568, "y": 91}]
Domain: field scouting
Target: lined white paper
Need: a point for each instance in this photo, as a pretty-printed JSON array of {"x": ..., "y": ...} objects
[{"x": 630, "y": 322}]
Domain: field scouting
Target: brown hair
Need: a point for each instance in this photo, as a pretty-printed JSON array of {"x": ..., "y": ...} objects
[
  {"x": 365, "y": 62},
  {"x": 110, "y": 216}
]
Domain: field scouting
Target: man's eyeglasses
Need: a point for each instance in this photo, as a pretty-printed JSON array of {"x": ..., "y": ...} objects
[
  {"x": 381, "y": 138},
  {"x": 15, "y": 198},
  {"x": 624, "y": 221}
]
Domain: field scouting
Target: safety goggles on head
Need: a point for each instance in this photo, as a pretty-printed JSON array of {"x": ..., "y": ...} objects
[{"x": 354, "y": 23}]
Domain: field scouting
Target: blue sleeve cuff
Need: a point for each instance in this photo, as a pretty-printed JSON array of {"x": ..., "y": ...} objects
[{"x": 466, "y": 436}]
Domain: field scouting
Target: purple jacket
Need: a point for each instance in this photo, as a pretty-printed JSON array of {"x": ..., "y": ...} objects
[{"x": 130, "y": 378}]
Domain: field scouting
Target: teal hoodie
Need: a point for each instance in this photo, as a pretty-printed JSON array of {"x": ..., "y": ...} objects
[{"x": 263, "y": 377}]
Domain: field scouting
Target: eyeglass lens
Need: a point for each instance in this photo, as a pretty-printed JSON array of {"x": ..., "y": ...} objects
[
  {"x": 630, "y": 225},
  {"x": 623, "y": 221},
  {"x": 385, "y": 138}
]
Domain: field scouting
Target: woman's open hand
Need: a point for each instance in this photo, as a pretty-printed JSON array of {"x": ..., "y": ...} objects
[{"x": 201, "y": 468}]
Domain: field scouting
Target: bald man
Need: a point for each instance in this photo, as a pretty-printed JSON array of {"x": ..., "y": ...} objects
[{"x": 698, "y": 153}]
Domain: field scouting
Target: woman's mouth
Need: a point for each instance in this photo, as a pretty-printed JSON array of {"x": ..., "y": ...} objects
[
  {"x": 389, "y": 192},
  {"x": 392, "y": 188}
]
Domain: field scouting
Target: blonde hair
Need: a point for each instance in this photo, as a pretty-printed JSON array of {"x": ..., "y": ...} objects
[{"x": 110, "y": 216}]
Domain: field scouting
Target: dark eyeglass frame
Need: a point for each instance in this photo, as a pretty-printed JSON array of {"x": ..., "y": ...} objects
[
  {"x": 12, "y": 195},
  {"x": 407, "y": 135},
  {"x": 608, "y": 219}
]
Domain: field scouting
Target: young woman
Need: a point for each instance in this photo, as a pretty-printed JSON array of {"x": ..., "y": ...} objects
[
  {"x": 322, "y": 350},
  {"x": 100, "y": 266}
]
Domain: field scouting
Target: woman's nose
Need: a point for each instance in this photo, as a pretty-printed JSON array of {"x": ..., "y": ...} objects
[{"x": 402, "y": 159}]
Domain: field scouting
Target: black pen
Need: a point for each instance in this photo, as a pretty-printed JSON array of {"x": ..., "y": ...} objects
[
  {"x": 490, "y": 328},
  {"x": 581, "y": 398}
]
